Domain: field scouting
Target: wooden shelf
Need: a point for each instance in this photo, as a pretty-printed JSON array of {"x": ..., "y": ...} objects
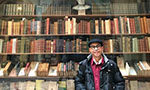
[
  {"x": 58, "y": 35},
  {"x": 25, "y": 78},
  {"x": 57, "y": 78},
  {"x": 137, "y": 77},
  {"x": 87, "y": 16},
  {"x": 61, "y": 53}
]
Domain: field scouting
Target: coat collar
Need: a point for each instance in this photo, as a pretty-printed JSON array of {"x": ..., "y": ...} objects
[{"x": 89, "y": 57}]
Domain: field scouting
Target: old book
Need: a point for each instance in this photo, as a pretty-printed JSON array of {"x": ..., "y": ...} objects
[
  {"x": 120, "y": 62},
  {"x": 14, "y": 72},
  {"x": 1, "y": 45},
  {"x": 62, "y": 85},
  {"x": 70, "y": 84},
  {"x": 133, "y": 85},
  {"x": 2, "y": 72},
  {"x": 8, "y": 68},
  {"x": 22, "y": 72},
  {"x": 147, "y": 85},
  {"x": 107, "y": 26},
  {"x": 22, "y": 85},
  {"x": 38, "y": 27},
  {"x": 53, "y": 85},
  {"x": 30, "y": 85},
  {"x": 47, "y": 25},
  {"x": 52, "y": 71},
  {"x": 10, "y": 27},
  {"x": 27, "y": 69},
  {"x": 132, "y": 71},
  {"x": 13, "y": 85},
  {"x": 142, "y": 85},
  {"x": 34, "y": 67},
  {"x": 96, "y": 27},
  {"x": 127, "y": 67},
  {"x": 43, "y": 69},
  {"x": 39, "y": 84}
]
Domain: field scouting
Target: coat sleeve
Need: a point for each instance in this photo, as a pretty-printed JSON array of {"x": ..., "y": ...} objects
[
  {"x": 118, "y": 79},
  {"x": 79, "y": 79}
]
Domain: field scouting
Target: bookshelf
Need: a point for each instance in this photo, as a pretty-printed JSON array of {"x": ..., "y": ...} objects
[{"x": 131, "y": 44}]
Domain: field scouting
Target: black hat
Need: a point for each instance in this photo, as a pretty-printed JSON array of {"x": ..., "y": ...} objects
[{"x": 95, "y": 41}]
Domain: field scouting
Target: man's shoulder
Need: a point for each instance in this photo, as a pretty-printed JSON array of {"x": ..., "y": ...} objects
[
  {"x": 83, "y": 62},
  {"x": 111, "y": 61}
]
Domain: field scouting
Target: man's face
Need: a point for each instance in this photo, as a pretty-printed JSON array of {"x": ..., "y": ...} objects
[{"x": 96, "y": 49}]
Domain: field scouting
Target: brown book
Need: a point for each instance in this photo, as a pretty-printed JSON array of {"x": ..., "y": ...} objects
[
  {"x": 133, "y": 85},
  {"x": 30, "y": 85},
  {"x": 142, "y": 85},
  {"x": 8, "y": 68},
  {"x": 70, "y": 84},
  {"x": 142, "y": 25},
  {"x": 145, "y": 24},
  {"x": 43, "y": 69},
  {"x": 53, "y": 85}
]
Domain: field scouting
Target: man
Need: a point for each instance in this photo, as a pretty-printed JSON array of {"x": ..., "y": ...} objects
[{"x": 97, "y": 72}]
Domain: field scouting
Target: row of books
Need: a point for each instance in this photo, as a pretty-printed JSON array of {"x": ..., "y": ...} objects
[
  {"x": 31, "y": 69},
  {"x": 67, "y": 69},
  {"x": 127, "y": 44},
  {"x": 64, "y": 9},
  {"x": 32, "y": 9},
  {"x": 18, "y": 9},
  {"x": 119, "y": 8},
  {"x": 53, "y": 10},
  {"x": 119, "y": 25},
  {"x": 141, "y": 68},
  {"x": 26, "y": 45},
  {"x": 39, "y": 85},
  {"x": 137, "y": 85}
]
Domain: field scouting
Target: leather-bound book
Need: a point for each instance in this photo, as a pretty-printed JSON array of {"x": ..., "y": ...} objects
[{"x": 43, "y": 69}]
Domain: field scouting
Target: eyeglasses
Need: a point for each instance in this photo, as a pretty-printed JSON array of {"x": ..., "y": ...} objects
[{"x": 95, "y": 47}]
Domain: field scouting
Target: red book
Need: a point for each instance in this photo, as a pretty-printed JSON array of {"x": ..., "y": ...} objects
[
  {"x": 112, "y": 27},
  {"x": 88, "y": 27},
  {"x": 8, "y": 47},
  {"x": 29, "y": 27},
  {"x": 47, "y": 25}
]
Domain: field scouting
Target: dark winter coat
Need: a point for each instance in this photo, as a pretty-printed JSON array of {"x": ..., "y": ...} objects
[{"x": 110, "y": 76}]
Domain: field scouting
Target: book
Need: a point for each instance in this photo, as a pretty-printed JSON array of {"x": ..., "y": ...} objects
[
  {"x": 34, "y": 67},
  {"x": 62, "y": 85},
  {"x": 43, "y": 69},
  {"x": 52, "y": 71},
  {"x": 70, "y": 84},
  {"x": 14, "y": 72},
  {"x": 22, "y": 72},
  {"x": 30, "y": 85},
  {"x": 53, "y": 85},
  {"x": 7, "y": 69},
  {"x": 22, "y": 85},
  {"x": 38, "y": 84},
  {"x": 133, "y": 85}
]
